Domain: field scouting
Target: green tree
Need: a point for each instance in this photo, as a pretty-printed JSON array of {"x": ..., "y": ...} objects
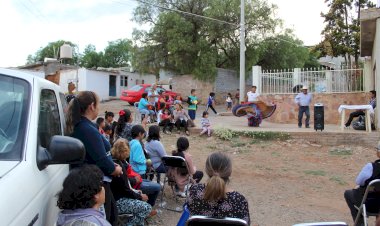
[
  {"x": 51, "y": 50},
  {"x": 342, "y": 31},
  {"x": 117, "y": 54},
  {"x": 188, "y": 44},
  {"x": 91, "y": 58}
]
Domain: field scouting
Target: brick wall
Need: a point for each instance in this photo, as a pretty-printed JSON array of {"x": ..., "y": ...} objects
[
  {"x": 184, "y": 83},
  {"x": 287, "y": 110}
]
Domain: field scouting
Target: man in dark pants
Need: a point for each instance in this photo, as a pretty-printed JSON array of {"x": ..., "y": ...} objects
[
  {"x": 303, "y": 100},
  {"x": 369, "y": 172},
  {"x": 357, "y": 113}
]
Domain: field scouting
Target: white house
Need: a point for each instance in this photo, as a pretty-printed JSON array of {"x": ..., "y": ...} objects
[
  {"x": 370, "y": 49},
  {"x": 107, "y": 83}
]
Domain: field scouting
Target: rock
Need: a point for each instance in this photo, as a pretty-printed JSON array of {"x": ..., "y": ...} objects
[{"x": 316, "y": 145}]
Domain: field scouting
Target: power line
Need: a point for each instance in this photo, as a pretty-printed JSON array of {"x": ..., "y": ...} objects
[{"x": 186, "y": 13}]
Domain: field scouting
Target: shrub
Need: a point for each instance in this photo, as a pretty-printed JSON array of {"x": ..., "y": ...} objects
[{"x": 228, "y": 134}]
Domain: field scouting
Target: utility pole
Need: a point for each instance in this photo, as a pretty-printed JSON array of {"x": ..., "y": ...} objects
[{"x": 242, "y": 52}]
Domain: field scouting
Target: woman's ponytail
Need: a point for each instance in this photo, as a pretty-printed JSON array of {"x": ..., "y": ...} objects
[
  {"x": 215, "y": 189},
  {"x": 219, "y": 169}
]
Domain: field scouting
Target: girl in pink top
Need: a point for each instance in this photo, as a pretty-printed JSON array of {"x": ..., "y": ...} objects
[{"x": 181, "y": 178}]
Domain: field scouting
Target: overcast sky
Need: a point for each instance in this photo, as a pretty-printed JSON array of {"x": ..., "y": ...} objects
[{"x": 28, "y": 25}]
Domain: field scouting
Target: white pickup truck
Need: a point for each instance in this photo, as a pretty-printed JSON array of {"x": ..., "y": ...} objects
[{"x": 34, "y": 154}]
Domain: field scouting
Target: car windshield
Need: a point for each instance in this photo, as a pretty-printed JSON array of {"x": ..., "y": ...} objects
[
  {"x": 135, "y": 88},
  {"x": 14, "y": 105},
  {"x": 159, "y": 89}
]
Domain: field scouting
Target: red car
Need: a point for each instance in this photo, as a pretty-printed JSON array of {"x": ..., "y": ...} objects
[{"x": 134, "y": 94}]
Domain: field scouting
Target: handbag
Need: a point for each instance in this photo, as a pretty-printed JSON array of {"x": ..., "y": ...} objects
[
  {"x": 134, "y": 175},
  {"x": 185, "y": 216}
]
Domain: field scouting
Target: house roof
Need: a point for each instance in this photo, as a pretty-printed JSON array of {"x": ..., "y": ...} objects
[{"x": 368, "y": 19}]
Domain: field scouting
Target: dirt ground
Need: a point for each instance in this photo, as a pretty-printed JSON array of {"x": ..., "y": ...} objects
[{"x": 285, "y": 182}]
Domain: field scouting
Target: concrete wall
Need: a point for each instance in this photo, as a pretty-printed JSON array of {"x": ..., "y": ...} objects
[
  {"x": 184, "y": 83},
  {"x": 287, "y": 110}
]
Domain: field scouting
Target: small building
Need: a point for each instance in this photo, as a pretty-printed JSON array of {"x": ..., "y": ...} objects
[{"x": 370, "y": 49}]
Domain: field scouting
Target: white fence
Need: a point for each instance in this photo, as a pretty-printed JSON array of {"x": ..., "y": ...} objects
[{"x": 318, "y": 81}]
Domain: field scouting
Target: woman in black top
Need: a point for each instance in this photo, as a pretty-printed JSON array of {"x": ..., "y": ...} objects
[
  {"x": 82, "y": 110},
  {"x": 215, "y": 199}
]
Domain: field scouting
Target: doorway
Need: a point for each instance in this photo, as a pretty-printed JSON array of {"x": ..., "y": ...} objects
[{"x": 112, "y": 86}]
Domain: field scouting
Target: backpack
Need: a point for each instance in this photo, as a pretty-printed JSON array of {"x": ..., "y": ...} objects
[{"x": 189, "y": 101}]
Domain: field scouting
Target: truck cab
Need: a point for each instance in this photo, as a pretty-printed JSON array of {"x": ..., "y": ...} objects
[{"x": 34, "y": 153}]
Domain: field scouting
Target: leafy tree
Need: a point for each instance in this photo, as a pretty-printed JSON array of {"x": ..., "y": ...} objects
[
  {"x": 91, "y": 58},
  {"x": 117, "y": 53},
  {"x": 342, "y": 31},
  {"x": 51, "y": 50},
  {"x": 189, "y": 44}
]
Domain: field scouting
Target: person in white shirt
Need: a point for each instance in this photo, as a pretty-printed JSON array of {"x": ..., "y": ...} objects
[
  {"x": 303, "y": 100},
  {"x": 252, "y": 95}
]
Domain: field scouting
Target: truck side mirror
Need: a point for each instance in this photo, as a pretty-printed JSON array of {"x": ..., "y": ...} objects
[{"x": 62, "y": 150}]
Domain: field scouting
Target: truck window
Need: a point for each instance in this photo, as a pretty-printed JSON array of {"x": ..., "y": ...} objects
[
  {"x": 49, "y": 122},
  {"x": 14, "y": 112}
]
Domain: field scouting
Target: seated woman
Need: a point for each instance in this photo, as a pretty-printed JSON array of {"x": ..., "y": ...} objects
[
  {"x": 124, "y": 125},
  {"x": 128, "y": 200},
  {"x": 81, "y": 197},
  {"x": 177, "y": 174},
  {"x": 155, "y": 150},
  {"x": 144, "y": 106},
  {"x": 180, "y": 118},
  {"x": 215, "y": 199}
]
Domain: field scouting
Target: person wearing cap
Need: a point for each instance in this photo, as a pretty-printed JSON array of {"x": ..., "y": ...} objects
[
  {"x": 252, "y": 95},
  {"x": 369, "y": 172},
  {"x": 303, "y": 100}
]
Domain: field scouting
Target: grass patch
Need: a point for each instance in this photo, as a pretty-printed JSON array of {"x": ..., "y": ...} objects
[
  {"x": 338, "y": 180},
  {"x": 228, "y": 134},
  {"x": 341, "y": 152},
  {"x": 315, "y": 172},
  {"x": 237, "y": 143},
  {"x": 275, "y": 154},
  {"x": 211, "y": 147}
]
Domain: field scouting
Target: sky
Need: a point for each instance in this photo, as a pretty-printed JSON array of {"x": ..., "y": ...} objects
[{"x": 28, "y": 25}]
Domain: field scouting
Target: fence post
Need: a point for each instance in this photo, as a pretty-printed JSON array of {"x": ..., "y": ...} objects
[
  {"x": 329, "y": 81},
  {"x": 297, "y": 77},
  {"x": 256, "y": 78},
  {"x": 368, "y": 81}
]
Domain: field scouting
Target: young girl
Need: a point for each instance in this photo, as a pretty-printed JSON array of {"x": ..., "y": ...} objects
[
  {"x": 180, "y": 120},
  {"x": 127, "y": 199},
  {"x": 205, "y": 122},
  {"x": 165, "y": 121},
  {"x": 180, "y": 178},
  {"x": 100, "y": 123},
  {"x": 229, "y": 102},
  {"x": 211, "y": 102}
]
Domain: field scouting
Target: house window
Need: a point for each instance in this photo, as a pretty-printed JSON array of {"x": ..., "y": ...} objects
[{"x": 124, "y": 81}]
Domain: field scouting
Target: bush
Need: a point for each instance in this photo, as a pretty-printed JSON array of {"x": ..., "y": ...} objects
[{"x": 228, "y": 134}]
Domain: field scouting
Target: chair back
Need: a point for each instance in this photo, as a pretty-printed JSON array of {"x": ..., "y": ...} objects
[
  {"x": 371, "y": 197},
  {"x": 175, "y": 162},
  {"x": 209, "y": 221},
  {"x": 337, "y": 223}
]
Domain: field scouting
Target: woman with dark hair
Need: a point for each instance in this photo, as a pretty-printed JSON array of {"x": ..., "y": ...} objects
[
  {"x": 180, "y": 178},
  {"x": 180, "y": 118},
  {"x": 124, "y": 125},
  {"x": 82, "y": 110},
  {"x": 109, "y": 121},
  {"x": 155, "y": 150},
  {"x": 81, "y": 197},
  {"x": 144, "y": 106},
  {"x": 215, "y": 198}
]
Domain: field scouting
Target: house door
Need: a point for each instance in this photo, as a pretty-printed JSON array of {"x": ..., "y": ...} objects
[{"x": 112, "y": 86}]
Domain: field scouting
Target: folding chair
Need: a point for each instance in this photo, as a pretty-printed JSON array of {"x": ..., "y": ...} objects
[
  {"x": 208, "y": 221},
  {"x": 335, "y": 223},
  {"x": 174, "y": 163},
  {"x": 137, "y": 118},
  {"x": 370, "y": 204}
]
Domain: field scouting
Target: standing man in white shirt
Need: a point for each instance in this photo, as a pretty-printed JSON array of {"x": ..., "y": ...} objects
[
  {"x": 252, "y": 96},
  {"x": 303, "y": 100}
]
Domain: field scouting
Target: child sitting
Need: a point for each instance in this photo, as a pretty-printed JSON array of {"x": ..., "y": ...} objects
[
  {"x": 180, "y": 177},
  {"x": 164, "y": 119},
  {"x": 206, "y": 126},
  {"x": 107, "y": 132},
  {"x": 100, "y": 123}
]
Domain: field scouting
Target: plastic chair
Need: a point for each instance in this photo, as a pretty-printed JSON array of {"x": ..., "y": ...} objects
[
  {"x": 335, "y": 223},
  {"x": 370, "y": 204},
  {"x": 174, "y": 163},
  {"x": 209, "y": 221}
]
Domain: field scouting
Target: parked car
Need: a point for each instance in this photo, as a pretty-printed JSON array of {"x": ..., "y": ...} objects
[
  {"x": 134, "y": 94},
  {"x": 34, "y": 154}
]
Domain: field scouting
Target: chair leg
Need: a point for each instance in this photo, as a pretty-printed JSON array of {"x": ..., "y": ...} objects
[
  {"x": 365, "y": 215},
  {"x": 358, "y": 215}
]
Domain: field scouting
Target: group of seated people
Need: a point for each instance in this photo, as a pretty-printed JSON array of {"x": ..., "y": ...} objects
[{"x": 114, "y": 178}]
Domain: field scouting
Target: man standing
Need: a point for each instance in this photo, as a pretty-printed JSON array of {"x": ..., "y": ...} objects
[
  {"x": 252, "y": 95},
  {"x": 153, "y": 95},
  {"x": 303, "y": 100}
]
